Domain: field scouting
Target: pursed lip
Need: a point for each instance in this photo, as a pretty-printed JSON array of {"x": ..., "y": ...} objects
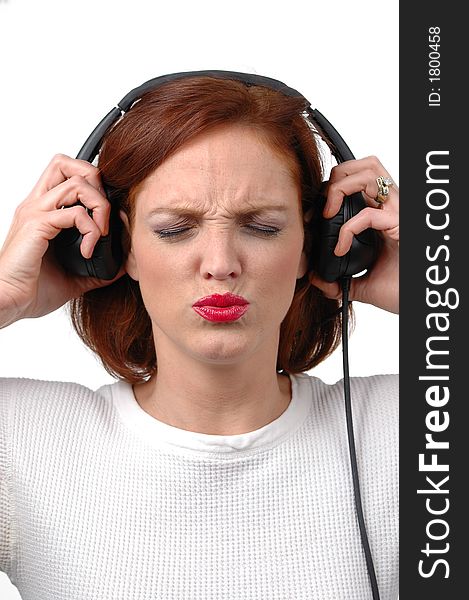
[{"x": 221, "y": 300}]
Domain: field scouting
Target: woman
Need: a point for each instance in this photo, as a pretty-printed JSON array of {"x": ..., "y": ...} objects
[{"x": 215, "y": 467}]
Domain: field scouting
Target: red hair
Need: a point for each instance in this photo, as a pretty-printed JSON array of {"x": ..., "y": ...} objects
[{"x": 112, "y": 320}]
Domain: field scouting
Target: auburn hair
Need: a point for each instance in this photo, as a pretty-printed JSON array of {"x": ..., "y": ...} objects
[{"x": 112, "y": 321}]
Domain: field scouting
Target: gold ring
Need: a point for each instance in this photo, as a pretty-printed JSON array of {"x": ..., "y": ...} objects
[{"x": 383, "y": 183}]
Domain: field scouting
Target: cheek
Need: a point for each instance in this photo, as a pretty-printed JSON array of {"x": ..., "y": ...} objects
[
  {"x": 276, "y": 275},
  {"x": 159, "y": 278}
]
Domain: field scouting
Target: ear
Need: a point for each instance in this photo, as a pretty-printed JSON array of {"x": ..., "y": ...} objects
[{"x": 130, "y": 262}]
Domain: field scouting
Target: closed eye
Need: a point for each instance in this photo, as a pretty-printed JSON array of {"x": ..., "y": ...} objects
[
  {"x": 173, "y": 233},
  {"x": 264, "y": 230}
]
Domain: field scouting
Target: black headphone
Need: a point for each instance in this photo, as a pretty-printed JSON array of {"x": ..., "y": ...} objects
[{"x": 107, "y": 255}]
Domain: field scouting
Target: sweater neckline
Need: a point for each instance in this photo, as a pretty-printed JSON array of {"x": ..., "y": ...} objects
[{"x": 160, "y": 434}]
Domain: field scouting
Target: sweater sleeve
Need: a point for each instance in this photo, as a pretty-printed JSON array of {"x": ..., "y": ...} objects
[{"x": 6, "y": 410}]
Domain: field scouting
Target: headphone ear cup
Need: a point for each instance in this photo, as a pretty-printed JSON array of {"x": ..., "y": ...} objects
[
  {"x": 362, "y": 252},
  {"x": 107, "y": 255}
]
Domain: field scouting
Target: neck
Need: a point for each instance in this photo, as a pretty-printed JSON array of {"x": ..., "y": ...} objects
[{"x": 214, "y": 399}]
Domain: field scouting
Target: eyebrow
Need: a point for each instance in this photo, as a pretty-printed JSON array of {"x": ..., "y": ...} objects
[{"x": 194, "y": 212}]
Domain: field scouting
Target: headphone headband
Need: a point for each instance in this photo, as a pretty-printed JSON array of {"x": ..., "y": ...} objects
[
  {"x": 247, "y": 78},
  {"x": 90, "y": 148}
]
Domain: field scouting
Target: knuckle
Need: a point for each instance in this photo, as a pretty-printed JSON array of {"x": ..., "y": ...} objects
[
  {"x": 58, "y": 159},
  {"x": 78, "y": 210},
  {"x": 25, "y": 209},
  {"x": 347, "y": 226},
  {"x": 89, "y": 169},
  {"x": 334, "y": 188},
  {"x": 21, "y": 211},
  {"x": 366, "y": 213},
  {"x": 375, "y": 162},
  {"x": 75, "y": 182}
]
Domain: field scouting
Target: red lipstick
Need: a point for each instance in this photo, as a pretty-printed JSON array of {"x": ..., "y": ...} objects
[{"x": 221, "y": 307}]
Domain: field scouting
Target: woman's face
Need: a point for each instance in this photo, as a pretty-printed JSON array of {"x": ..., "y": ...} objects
[{"x": 222, "y": 196}]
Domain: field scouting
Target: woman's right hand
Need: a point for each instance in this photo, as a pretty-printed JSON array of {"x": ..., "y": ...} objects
[{"x": 32, "y": 283}]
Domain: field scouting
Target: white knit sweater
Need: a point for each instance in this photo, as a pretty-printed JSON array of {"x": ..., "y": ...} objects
[{"x": 100, "y": 501}]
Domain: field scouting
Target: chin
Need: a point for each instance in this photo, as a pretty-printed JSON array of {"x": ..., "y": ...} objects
[{"x": 219, "y": 347}]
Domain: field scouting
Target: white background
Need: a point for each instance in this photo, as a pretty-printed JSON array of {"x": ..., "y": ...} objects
[{"x": 65, "y": 64}]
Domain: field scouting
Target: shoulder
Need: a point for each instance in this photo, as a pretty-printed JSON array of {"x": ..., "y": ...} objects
[
  {"x": 372, "y": 385},
  {"x": 374, "y": 400},
  {"x": 26, "y": 390},
  {"x": 27, "y": 400},
  {"x": 375, "y": 389}
]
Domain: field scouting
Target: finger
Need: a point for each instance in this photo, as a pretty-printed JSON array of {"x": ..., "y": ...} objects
[
  {"x": 362, "y": 181},
  {"x": 333, "y": 290},
  {"x": 77, "y": 189},
  {"x": 381, "y": 220},
  {"x": 75, "y": 216},
  {"x": 61, "y": 168},
  {"x": 330, "y": 290},
  {"x": 350, "y": 167},
  {"x": 90, "y": 283}
]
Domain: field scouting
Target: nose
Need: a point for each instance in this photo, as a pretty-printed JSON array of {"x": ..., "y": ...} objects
[{"x": 220, "y": 257}]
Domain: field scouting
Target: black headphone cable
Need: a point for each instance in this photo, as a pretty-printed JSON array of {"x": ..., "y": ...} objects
[{"x": 345, "y": 284}]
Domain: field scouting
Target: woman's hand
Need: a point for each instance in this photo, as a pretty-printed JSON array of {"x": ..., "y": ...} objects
[
  {"x": 32, "y": 283},
  {"x": 380, "y": 285}
]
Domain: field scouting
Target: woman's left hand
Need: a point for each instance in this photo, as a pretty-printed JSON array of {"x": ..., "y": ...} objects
[{"x": 380, "y": 285}]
